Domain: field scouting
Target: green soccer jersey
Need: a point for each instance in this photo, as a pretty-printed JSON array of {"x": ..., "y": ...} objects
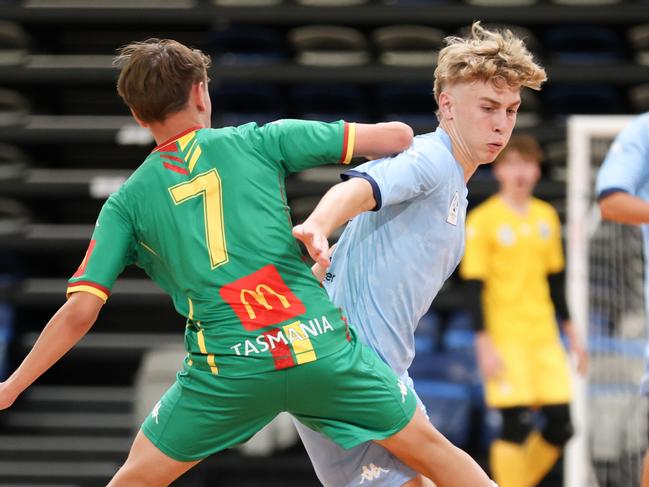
[{"x": 206, "y": 217}]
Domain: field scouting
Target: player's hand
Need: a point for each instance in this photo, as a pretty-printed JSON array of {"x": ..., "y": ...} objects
[
  {"x": 489, "y": 361},
  {"x": 318, "y": 271},
  {"x": 581, "y": 356},
  {"x": 315, "y": 242},
  {"x": 7, "y": 397}
]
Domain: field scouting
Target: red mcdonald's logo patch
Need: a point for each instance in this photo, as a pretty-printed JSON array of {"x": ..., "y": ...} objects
[{"x": 262, "y": 299}]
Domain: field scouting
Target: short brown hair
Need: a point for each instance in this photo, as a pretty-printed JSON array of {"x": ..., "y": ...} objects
[
  {"x": 524, "y": 144},
  {"x": 156, "y": 76},
  {"x": 497, "y": 56}
]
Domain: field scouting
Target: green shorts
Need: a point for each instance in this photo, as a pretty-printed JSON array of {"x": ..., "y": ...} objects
[{"x": 351, "y": 396}]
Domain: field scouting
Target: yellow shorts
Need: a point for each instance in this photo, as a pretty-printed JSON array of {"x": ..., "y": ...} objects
[{"x": 534, "y": 374}]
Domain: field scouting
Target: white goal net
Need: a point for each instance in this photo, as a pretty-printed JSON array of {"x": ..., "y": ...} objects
[{"x": 606, "y": 296}]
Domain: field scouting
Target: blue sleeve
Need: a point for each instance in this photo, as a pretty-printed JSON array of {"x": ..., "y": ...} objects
[
  {"x": 400, "y": 178},
  {"x": 626, "y": 166}
]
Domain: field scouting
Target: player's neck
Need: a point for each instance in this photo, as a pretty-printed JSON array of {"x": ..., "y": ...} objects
[
  {"x": 460, "y": 149},
  {"x": 516, "y": 201},
  {"x": 173, "y": 125}
]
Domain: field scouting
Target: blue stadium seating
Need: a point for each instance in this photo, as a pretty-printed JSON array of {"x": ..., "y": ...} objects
[
  {"x": 583, "y": 44},
  {"x": 247, "y": 45},
  {"x": 242, "y": 103},
  {"x": 563, "y": 100},
  {"x": 412, "y": 104},
  {"x": 449, "y": 408},
  {"x": 330, "y": 102}
]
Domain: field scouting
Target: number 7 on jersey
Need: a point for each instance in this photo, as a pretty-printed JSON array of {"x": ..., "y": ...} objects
[{"x": 207, "y": 185}]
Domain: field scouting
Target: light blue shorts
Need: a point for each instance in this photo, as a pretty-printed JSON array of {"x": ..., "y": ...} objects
[{"x": 368, "y": 464}]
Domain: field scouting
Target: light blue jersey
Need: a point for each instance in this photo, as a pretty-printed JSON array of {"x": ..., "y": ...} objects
[
  {"x": 626, "y": 168},
  {"x": 387, "y": 268},
  {"x": 389, "y": 264}
]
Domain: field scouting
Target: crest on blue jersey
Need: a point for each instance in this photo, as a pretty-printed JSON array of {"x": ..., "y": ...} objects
[{"x": 452, "y": 209}]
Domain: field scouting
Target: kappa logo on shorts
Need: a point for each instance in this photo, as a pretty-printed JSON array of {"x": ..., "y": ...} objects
[
  {"x": 403, "y": 389},
  {"x": 371, "y": 472},
  {"x": 262, "y": 299},
  {"x": 156, "y": 411}
]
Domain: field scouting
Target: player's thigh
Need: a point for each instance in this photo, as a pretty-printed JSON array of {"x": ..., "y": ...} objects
[
  {"x": 351, "y": 397},
  {"x": 203, "y": 413},
  {"x": 551, "y": 373},
  {"x": 418, "y": 432},
  {"x": 147, "y": 466},
  {"x": 365, "y": 464},
  {"x": 514, "y": 386}
]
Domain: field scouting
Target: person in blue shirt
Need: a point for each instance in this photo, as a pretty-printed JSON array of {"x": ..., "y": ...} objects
[
  {"x": 390, "y": 262},
  {"x": 623, "y": 196}
]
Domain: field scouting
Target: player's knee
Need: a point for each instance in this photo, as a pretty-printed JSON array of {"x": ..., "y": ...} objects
[
  {"x": 516, "y": 424},
  {"x": 558, "y": 426}
]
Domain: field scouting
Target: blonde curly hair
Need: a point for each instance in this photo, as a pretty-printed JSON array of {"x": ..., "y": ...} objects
[{"x": 497, "y": 56}]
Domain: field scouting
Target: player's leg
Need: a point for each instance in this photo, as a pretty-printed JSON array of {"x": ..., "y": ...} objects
[
  {"x": 543, "y": 448},
  {"x": 552, "y": 389},
  {"x": 511, "y": 393},
  {"x": 146, "y": 466},
  {"x": 424, "y": 449},
  {"x": 507, "y": 453},
  {"x": 353, "y": 397},
  {"x": 645, "y": 470},
  {"x": 200, "y": 414},
  {"x": 364, "y": 464}
]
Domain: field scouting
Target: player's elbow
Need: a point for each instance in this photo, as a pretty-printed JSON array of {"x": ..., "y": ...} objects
[
  {"x": 80, "y": 312},
  {"x": 609, "y": 208},
  {"x": 403, "y": 135},
  {"x": 605, "y": 210}
]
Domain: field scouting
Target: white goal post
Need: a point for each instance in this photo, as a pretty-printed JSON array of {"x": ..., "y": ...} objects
[{"x": 583, "y": 216}]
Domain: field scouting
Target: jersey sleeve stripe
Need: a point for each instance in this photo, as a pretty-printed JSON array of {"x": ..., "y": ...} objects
[
  {"x": 89, "y": 287},
  {"x": 608, "y": 191},
  {"x": 376, "y": 191},
  {"x": 349, "y": 137}
]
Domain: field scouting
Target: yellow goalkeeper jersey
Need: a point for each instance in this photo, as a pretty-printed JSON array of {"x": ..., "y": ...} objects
[{"x": 513, "y": 255}]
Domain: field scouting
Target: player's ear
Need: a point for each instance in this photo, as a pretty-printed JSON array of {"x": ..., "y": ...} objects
[
  {"x": 445, "y": 103},
  {"x": 200, "y": 95}
]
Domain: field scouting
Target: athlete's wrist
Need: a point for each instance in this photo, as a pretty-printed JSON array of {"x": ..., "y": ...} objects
[{"x": 9, "y": 392}]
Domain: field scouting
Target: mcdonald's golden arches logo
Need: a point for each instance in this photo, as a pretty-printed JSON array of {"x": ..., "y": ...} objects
[{"x": 262, "y": 299}]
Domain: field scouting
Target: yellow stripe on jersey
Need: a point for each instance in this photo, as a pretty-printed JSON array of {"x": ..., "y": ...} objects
[
  {"x": 185, "y": 139},
  {"x": 302, "y": 347},
  {"x": 148, "y": 248},
  {"x": 88, "y": 289},
  {"x": 351, "y": 139},
  {"x": 203, "y": 349},
  {"x": 191, "y": 308},
  {"x": 212, "y": 364},
  {"x": 194, "y": 158}
]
